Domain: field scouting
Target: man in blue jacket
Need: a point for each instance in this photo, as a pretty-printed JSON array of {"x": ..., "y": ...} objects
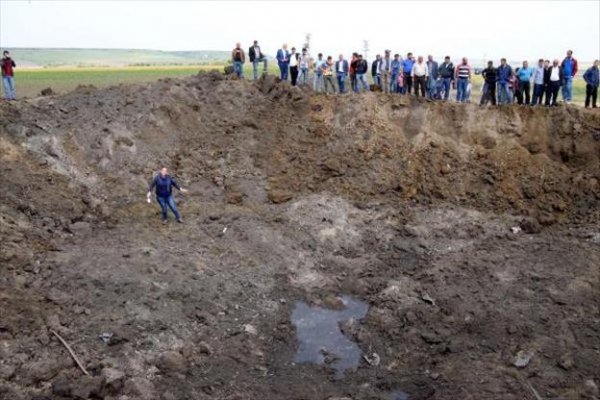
[
  {"x": 283, "y": 61},
  {"x": 407, "y": 66},
  {"x": 341, "y": 71},
  {"x": 504, "y": 75},
  {"x": 592, "y": 80},
  {"x": 164, "y": 184}
]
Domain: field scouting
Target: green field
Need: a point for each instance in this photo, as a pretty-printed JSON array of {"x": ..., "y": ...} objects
[
  {"x": 36, "y": 57},
  {"x": 30, "y": 81}
]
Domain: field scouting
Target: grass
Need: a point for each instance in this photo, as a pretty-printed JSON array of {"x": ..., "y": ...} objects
[
  {"x": 30, "y": 81},
  {"x": 36, "y": 57}
]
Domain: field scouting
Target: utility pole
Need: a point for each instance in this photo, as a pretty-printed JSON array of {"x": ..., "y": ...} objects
[{"x": 307, "y": 42}]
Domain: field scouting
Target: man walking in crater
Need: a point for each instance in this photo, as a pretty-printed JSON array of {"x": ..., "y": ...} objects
[{"x": 164, "y": 184}]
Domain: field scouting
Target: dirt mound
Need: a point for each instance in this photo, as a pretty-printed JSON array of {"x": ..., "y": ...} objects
[{"x": 471, "y": 233}]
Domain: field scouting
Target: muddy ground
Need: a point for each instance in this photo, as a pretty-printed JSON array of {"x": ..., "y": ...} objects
[{"x": 472, "y": 234}]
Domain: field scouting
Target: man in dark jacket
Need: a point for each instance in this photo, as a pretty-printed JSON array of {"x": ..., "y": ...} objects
[
  {"x": 256, "y": 57},
  {"x": 432, "y": 67},
  {"x": 375, "y": 72},
  {"x": 7, "y": 66},
  {"x": 446, "y": 74},
  {"x": 592, "y": 80},
  {"x": 490, "y": 76},
  {"x": 361, "y": 74},
  {"x": 164, "y": 184},
  {"x": 553, "y": 79},
  {"x": 352, "y": 70}
]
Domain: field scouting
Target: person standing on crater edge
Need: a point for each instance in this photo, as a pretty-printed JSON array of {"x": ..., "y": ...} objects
[
  {"x": 8, "y": 76},
  {"x": 283, "y": 61},
  {"x": 238, "y": 57},
  {"x": 164, "y": 184}
]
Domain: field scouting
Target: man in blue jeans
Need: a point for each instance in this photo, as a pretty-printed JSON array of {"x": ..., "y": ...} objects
[
  {"x": 341, "y": 70},
  {"x": 396, "y": 68},
  {"x": 257, "y": 57},
  {"x": 361, "y": 74},
  {"x": 538, "y": 83},
  {"x": 239, "y": 58},
  {"x": 463, "y": 79},
  {"x": 164, "y": 184},
  {"x": 7, "y": 66},
  {"x": 504, "y": 75},
  {"x": 569, "y": 68},
  {"x": 283, "y": 61},
  {"x": 446, "y": 73}
]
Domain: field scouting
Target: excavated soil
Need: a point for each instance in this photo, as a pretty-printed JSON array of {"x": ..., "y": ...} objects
[{"x": 469, "y": 235}]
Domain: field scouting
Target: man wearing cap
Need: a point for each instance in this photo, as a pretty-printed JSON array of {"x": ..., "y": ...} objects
[{"x": 256, "y": 57}]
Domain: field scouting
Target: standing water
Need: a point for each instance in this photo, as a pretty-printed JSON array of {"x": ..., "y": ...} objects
[{"x": 319, "y": 334}]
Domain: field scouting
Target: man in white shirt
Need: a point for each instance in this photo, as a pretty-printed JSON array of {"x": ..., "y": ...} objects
[
  {"x": 553, "y": 79},
  {"x": 419, "y": 73}
]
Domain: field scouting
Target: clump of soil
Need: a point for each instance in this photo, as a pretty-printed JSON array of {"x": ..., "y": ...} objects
[{"x": 471, "y": 233}]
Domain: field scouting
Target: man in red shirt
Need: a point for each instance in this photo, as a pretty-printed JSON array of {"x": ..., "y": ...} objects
[{"x": 8, "y": 76}]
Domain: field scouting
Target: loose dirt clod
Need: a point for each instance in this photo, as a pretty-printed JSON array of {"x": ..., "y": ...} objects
[{"x": 404, "y": 206}]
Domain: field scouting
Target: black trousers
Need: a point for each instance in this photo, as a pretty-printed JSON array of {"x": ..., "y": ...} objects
[
  {"x": 294, "y": 74},
  {"x": 525, "y": 88},
  {"x": 552, "y": 92},
  {"x": 489, "y": 94},
  {"x": 407, "y": 83},
  {"x": 420, "y": 83},
  {"x": 591, "y": 93}
]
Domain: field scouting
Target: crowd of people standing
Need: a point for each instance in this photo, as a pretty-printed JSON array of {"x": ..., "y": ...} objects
[{"x": 527, "y": 85}]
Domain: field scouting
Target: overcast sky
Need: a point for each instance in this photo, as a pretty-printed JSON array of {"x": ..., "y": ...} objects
[{"x": 477, "y": 29}]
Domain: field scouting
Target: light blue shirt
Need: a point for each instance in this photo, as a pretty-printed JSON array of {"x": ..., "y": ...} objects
[
  {"x": 538, "y": 76},
  {"x": 525, "y": 74}
]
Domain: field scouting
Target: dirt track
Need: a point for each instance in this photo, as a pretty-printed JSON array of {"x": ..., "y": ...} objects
[{"x": 471, "y": 234}]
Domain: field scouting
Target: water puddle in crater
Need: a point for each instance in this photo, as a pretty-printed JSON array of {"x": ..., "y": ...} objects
[
  {"x": 320, "y": 337},
  {"x": 398, "y": 395}
]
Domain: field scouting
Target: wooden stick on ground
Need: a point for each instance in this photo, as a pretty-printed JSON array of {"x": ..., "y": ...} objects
[{"x": 70, "y": 350}]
